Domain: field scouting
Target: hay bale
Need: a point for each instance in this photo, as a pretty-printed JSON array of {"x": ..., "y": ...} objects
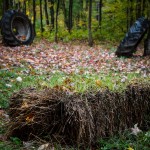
[
  {"x": 53, "y": 114},
  {"x": 138, "y": 99},
  {"x": 115, "y": 112},
  {"x": 50, "y": 114}
]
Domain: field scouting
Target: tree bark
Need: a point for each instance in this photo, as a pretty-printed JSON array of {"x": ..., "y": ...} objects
[
  {"x": 52, "y": 13},
  {"x": 70, "y": 15},
  {"x": 100, "y": 13},
  {"x": 65, "y": 13},
  {"x": 5, "y": 5},
  {"x": 87, "y": 5},
  {"x": 41, "y": 17},
  {"x": 148, "y": 10},
  {"x": 131, "y": 12},
  {"x": 46, "y": 13},
  {"x": 24, "y": 7},
  {"x": 138, "y": 9},
  {"x": 34, "y": 16},
  {"x": 127, "y": 15},
  {"x": 89, "y": 23},
  {"x": 56, "y": 22}
]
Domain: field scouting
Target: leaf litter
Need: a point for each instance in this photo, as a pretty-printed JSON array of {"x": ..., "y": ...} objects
[{"x": 72, "y": 58}]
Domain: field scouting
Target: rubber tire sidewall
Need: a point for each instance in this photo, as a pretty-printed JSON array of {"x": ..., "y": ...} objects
[
  {"x": 23, "y": 16},
  {"x": 14, "y": 14}
]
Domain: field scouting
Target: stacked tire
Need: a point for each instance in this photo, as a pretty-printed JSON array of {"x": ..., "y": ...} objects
[{"x": 16, "y": 29}]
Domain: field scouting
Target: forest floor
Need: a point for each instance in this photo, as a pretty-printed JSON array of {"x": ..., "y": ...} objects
[
  {"x": 72, "y": 58},
  {"x": 68, "y": 58}
]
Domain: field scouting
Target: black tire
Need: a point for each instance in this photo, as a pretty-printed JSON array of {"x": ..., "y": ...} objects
[
  {"x": 134, "y": 36},
  {"x": 16, "y": 29}
]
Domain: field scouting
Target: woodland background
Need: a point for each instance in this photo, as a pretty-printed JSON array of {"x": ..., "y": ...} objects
[{"x": 80, "y": 19}]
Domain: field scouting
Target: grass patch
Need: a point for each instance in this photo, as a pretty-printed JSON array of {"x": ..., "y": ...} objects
[
  {"x": 73, "y": 82},
  {"x": 126, "y": 141}
]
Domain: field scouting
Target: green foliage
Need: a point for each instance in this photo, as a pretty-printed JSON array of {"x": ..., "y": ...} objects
[
  {"x": 8, "y": 146},
  {"x": 16, "y": 141},
  {"x": 14, "y": 144},
  {"x": 126, "y": 141}
]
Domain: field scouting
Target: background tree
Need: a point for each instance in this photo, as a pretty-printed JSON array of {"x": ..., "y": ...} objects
[
  {"x": 99, "y": 10},
  {"x": 5, "y": 5},
  {"x": 70, "y": 15},
  {"x": 41, "y": 17},
  {"x": 51, "y": 7},
  {"x": 89, "y": 23},
  {"x": 46, "y": 12},
  {"x": 56, "y": 29},
  {"x": 77, "y": 17},
  {"x": 34, "y": 15}
]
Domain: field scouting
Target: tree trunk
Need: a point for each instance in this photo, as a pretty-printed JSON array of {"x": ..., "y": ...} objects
[
  {"x": 138, "y": 9},
  {"x": 34, "y": 16},
  {"x": 65, "y": 13},
  {"x": 46, "y": 13},
  {"x": 127, "y": 15},
  {"x": 89, "y": 23},
  {"x": 52, "y": 13},
  {"x": 41, "y": 17},
  {"x": 131, "y": 12},
  {"x": 5, "y": 5},
  {"x": 11, "y": 4},
  {"x": 80, "y": 14},
  {"x": 70, "y": 15},
  {"x": 56, "y": 22},
  {"x": 148, "y": 11},
  {"x": 24, "y": 7},
  {"x": 100, "y": 13},
  {"x": 87, "y": 5}
]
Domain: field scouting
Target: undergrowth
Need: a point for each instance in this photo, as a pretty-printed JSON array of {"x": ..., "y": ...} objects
[{"x": 126, "y": 141}]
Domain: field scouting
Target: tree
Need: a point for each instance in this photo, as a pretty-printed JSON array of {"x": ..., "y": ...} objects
[
  {"x": 46, "y": 13},
  {"x": 51, "y": 3},
  {"x": 114, "y": 17},
  {"x": 41, "y": 17},
  {"x": 56, "y": 29},
  {"x": 5, "y": 5},
  {"x": 25, "y": 7},
  {"x": 70, "y": 15},
  {"x": 89, "y": 23},
  {"x": 99, "y": 10},
  {"x": 34, "y": 15}
]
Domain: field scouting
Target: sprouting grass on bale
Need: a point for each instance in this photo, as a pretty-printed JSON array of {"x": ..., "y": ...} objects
[{"x": 72, "y": 82}]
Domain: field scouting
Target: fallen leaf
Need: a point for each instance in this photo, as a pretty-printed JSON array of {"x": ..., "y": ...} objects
[
  {"x": 29, "y": 118},
  {"x": 98, "y": 82}
]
